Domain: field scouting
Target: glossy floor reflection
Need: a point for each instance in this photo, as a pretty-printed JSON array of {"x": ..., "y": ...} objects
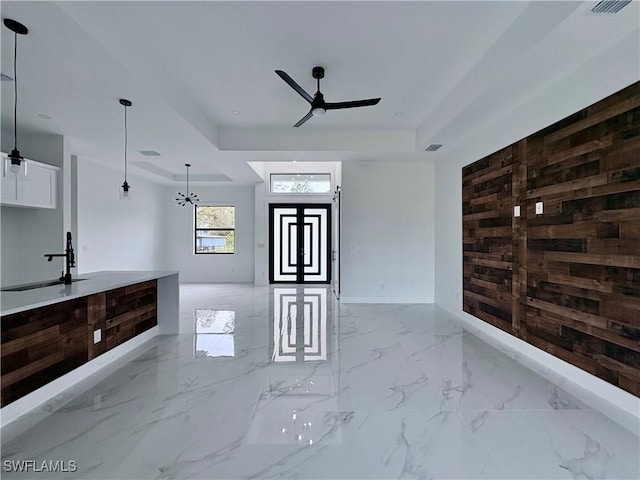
[{"x": 285, "y": 383}]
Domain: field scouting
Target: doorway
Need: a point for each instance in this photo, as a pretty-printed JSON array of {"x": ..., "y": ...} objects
[{"x": 300, "y": 243}]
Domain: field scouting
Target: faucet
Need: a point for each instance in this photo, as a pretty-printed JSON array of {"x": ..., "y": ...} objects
[{"x": 70, "y": 260}]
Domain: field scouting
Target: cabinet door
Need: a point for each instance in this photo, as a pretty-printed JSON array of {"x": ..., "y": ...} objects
[
  {"x": 9, "y": 184},
  {"x": 39, "y": 189}
]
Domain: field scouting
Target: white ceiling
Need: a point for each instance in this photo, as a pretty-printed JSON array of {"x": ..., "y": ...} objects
[{"x": 443, "y": 69}]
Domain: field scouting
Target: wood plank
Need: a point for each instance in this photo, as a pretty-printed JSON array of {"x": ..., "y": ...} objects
[
  {"x": 583, "y": 149},
  {"x": 631, "y": 261},
  {"x": 30, "y": 340},
  {"x": 586, "y": 283},
  {"x": 132, "y": 315},
  {"x": 594, "y": 119},
  {"x": 573, "y": 230},
  {"x": 96, "y": 311},
  {"x": 561, "y": 188},
  {"x": 616, "y": 366},
  {"x": 630, "y": 230},
  {"x": 571, "y": 313},
  {"x": 33, "y": 367}
]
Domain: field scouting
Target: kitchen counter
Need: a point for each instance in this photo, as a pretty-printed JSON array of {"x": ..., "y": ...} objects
[
  {"x": 56, "y": 336},
  {"x": 95, "y": 282}
]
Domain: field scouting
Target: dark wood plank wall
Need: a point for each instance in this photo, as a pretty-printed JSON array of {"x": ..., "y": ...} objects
[
  {"x": 45, "y": 343},
  {"x": 575, "y": 279},
  {"x": 487, "y": 205}
]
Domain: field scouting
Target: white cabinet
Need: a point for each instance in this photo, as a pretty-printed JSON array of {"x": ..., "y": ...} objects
[{"x": 35, "y": 186}]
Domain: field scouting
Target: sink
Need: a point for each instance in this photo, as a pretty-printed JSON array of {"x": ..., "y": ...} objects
[{"x": 33, "y": 286}]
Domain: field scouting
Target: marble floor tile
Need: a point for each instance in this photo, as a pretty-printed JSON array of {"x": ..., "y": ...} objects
[{"x": 286, "y": 383}]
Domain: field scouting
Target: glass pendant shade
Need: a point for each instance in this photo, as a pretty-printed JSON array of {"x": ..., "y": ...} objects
[
  {"x": 16, "y": 161},
  {"x": 125, "y": 191}
]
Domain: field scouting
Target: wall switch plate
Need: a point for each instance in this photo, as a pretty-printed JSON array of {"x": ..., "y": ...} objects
[
  {"x": 516, "y": 211},
  {"x": 539, "y": 208},
  {"x": 97, "y": 335}
]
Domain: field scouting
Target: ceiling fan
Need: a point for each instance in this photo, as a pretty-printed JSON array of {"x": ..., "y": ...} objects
[{"x": 318, "y": 105}]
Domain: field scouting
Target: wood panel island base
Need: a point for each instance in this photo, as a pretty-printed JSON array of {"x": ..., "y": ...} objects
[{"x": 52, "y": 334}]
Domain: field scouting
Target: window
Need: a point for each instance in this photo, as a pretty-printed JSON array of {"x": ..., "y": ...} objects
[
  {"x": 215, "y": 229},
  {"x": 300, "y": 183}
]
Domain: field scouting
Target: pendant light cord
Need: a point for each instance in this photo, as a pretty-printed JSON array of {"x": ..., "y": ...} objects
[
  {"x": 187, "y": 181},
  {"x": 125, "y": 143},
  {"x": 15, "y": 90}
]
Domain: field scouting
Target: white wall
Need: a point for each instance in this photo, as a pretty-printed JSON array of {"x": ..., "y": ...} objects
[
  {"x": 387, "y": 232},
  {"x": 236, "y": 268},
  {"x": 603, "y": 76},
  {"x": 29, "y": 233},
  {"x": 116, "y": 234}
]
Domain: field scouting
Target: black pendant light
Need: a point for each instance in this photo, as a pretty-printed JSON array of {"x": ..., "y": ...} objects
[
  {"x": 190, "y": 198},
  {"x": 18, "y": 29},
  {"x": 125, "y": 188}
]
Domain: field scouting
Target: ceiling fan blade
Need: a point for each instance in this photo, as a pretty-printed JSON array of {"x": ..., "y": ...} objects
[
  {"x": 304, "y": 119},
  {"x": 352, "y": 104},
  {"x": 292, "y": 83}
]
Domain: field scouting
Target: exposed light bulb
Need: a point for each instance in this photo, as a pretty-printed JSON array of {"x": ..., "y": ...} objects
[
  {"x": 14, "y": 168},
  {"x": 125, "y": 191}
]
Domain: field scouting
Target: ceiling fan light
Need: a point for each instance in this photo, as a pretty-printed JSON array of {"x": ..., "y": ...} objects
[{"x": 318, "y": 111}]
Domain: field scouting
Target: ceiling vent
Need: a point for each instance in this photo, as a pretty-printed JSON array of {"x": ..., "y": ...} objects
[
  {"x": 433, "y": 147},
  {"x": 610, "y": 6},
  {"x": 4, "y": 78},
  {"x": 149, "y": 153}
]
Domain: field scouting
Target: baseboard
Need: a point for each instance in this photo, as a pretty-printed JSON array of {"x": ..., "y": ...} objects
[
  {"x": 344, "y": 299},
  {"x": 10, "y": 413},
  {"x": 617, "y": 404}
]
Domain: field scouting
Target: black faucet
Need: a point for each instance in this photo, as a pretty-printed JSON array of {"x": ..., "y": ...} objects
[{"x": 70, "y": 260}]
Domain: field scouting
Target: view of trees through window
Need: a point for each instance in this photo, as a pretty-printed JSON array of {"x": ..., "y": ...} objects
[
  {"x": 215, "y": 229},
  {"x": 301, "y": 183}
]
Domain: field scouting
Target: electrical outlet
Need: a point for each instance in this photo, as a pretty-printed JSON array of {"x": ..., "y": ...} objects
[
  {"x": 516, "y": 211},
  {"x": 539, "y": 208},
  {"x": 97, "y": 335}
]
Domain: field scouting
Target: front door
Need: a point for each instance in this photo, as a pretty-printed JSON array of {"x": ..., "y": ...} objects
[{"x": 300, "y": 243}]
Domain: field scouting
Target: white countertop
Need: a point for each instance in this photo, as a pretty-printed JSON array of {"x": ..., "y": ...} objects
[{"x": 95, "y": 282}]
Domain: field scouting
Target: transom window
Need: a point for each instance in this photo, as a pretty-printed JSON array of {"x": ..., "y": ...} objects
[
  {"x": 300, "y": 183},
  {"x": 215, "y": 230}
]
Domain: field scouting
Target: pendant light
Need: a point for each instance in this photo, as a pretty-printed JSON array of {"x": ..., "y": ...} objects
[
  {"x": 18, "y": 29},
  {"x": 191, "y": 198},
  {"x": 125, "y": 188}
]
